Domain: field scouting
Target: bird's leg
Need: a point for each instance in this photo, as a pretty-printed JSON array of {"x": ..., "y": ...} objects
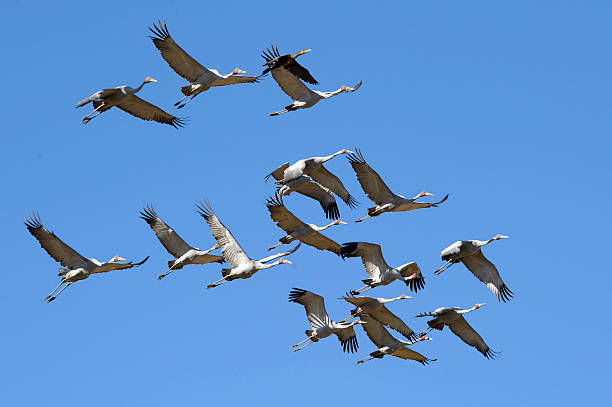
[
  {"x": 179, "y": 102},
  {"x": 361, "y": 290},
  {"x": 86, "y": 119},
  {"x": 444, "y": 267},
  {"x": 279, "y": 112},
  {"x": 423, "y": 333},
  {"x": 183, "y": 104},
  {"x": 217, "y": 283},
  {"x": 362, "y": 219},
  {"x": 58, "y": 286},
  {"x": 365, "y": 360},
  {"x": 275, "y": 246},
  {"x": 303, "y": 346},
  {"x": 60, "y": 291},
  {"x": 307, "y": 339},
  {"x": 165, "y": 273}
]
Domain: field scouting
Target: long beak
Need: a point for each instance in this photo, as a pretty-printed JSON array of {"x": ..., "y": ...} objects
[
  {"x": 152, "y": 80},
  {"x": 240, "y": 71},
  {"x": 302, "y": 52},
  {"x": 118, "y": 258},
  {"x": 428, "y": 194},
  {"x": 287, "y": 261}
]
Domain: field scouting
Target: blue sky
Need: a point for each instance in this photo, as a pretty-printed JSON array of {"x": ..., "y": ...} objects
[{"x": 505, "y": 108}]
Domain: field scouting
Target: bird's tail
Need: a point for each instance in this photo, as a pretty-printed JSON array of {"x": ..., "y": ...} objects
[
  {"x": 186, "y": 90},
  {"x": 171, "y": 263},
  {"x": 225, "y": 272},
  {"x": 63, "y": 272},
  {"x": 372, "y": 211},
  {"x": 367, "y": 281}
]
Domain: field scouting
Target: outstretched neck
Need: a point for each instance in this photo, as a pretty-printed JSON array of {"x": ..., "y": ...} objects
[
  {"x": 327, "y": 95},
  {"x": 319, "y": 228},
  {"x": 140, "y": 87},
  {"x": 263, "y": 266},
  {"x": 329, "y": 157},
  {"x": 388, "y": 300},
  {"x": 465, "y": 311}
]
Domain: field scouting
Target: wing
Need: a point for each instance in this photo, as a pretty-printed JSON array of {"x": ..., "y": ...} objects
[
  {"x": 298, "y": 70},
  {"x": 137, "y": 107},
  {"x": 371, "y": 257},
  {"x": 463, "y": 330},
  {"x": 291, "y": 85},
  {"x": 321, "y": 242},
  {"x": 358, "y": 301},
  {"x": 283, "y": 218},
  {"x": 371, "y": 183},
  {"x": 328, "y": 180},
  {"x": 376, "y": 331},
  {"x": 232, "y": 251},
  {"x": 325, "y": 198},
  {"x": 274, "y": 60},
  {"x": 420, "y": 205},
  {"x": 486, "y": 272},
  {"x": 392, "y": 321},
  {"x": 451, "y": 251},
  {"x": 180, "y": 61},
  {"x": 407, "y": 353},
  {"x": 117, "y": 266},
  {"x": 417, "y": 281},
  {"x": 348, "y": 339},
  {"x": 235, "y": 79},
  {"x": 53, "y": 245},
  {"x": 166, "y": 235},
  {"x": 97, "y": 96},
  {"x": 281, "y": 254},
  {"x": 313, "y": 304},
  {"x": 278, "y": 174}
]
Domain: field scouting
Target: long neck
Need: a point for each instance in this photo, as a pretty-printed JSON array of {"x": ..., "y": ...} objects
[
  {"x": 319, "y": 228},
  {"x": 262, "y": 266},
  {"x": 327, "y": 95},
  {"x": 465, "y": 311},
  {"x": 388, "y": 300},
  {"x": 140, "y": 87},
  {"x": 329, "y": 157}
]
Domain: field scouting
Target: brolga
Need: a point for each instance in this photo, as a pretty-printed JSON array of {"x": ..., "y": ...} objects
[
  {"x": 275, "y": 60},
  {"x": 469, "y": 252},
  {"x": 388, "y": 345},
  {"x": 375, "y": 308},
  {"x": 379, "y": 271},
  {"x": 124, "y": 98},
  {"x": 76, "y": 266},
  {"x": 307, "y": 233},
  {"x": 379, "y": 193},
  {"x": 242, "y": 266},
  {"x": 183, "y": 253},
  {"x": 453, "y": 318},
  {"x": 314, "y": 168},
  {"x": 200, "y": 78},
  {"x": 306, "y": 186},
  {"x": 321, "y": 323}
]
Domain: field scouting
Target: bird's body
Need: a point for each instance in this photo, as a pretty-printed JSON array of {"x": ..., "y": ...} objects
[
  {"x": 379, "y": 271},
  {"x": 124, "y": 98},
  {"x": 307, "y": 233},
  {"x": 242, "y": 266},
  {"x": 200, "y": 78},
  {"x": 76, "y": 266},
  {"x": 379, "y": 193},
  {"x": 388, "y": 345},
  {"x": 321, "y": 323},
  {"x": 453, "y": 318},
  {"x": 274, "y": 60},
  {"x": 469, "y": 252}
]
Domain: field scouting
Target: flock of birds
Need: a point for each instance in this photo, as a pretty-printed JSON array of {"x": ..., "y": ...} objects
[
  {"x": 307, "y": 177},
  {"x": 285, "y": 70}
]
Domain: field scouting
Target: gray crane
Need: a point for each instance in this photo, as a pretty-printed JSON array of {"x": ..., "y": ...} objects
[
  {"x": 306, "y": 186},
  {"x": 379, "y": 193},
  {"x": 379, "y": 271},
  {"x": 321, "y": 323},
  {"x": 388, "y": 345},
  {"x": 375, "y": 307},
  {"x": 275, "y": 60},
  {"x": 200, "y": 78},
  {"x": 313, "y": 167},
  {"x": 241, "y": 265},
  {"x": 307, "y": 233},
  {"x": 289, "y": 82},
  {"x": 469, "y": 252},
  {"x": 124, "y": 98},
  {"x": 177, "y": 247},
  {"x": 76, "y": 266},
  {"x": 453, "y": 318}
]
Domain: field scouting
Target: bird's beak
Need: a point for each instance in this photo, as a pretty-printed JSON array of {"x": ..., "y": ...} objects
[
  {"x": 349, "y": 151},
  {"x": 302, "y": 52},
  {"x": 287, "y": 261},
  {"x": 342, "y": 223},
  {"x": 151, "y": 80},
  {"x": 118, "y": 258},
  {"x": 502, "y": 237},
  {"x": 406, "y": 296},
  {"x": 427, "y": 194},
  {"x": 240, "y": 71}
]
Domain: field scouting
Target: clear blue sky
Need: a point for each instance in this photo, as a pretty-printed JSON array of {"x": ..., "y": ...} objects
[{"x": 504, "y": 107}]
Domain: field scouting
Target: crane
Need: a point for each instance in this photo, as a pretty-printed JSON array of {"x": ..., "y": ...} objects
[
  {"x": 313, "y": 167},
  {"x": 307, "y": 233},
  {"x": 306, "y": 186},
  {"x": 124, "y": 98},
  {"x": 453, "y": 318},
  {"x": 469, "y": 252},
  {"x": 321, "y": 323},
  {"x": 241, "y": 265},
  {"x": 275, "y": 60},
  {"x": 177, "y": 247},
  {"x": 375, "y": 307},
  {"x": 76, "y": 266},
  {"x": 388, "y": 345},
  {"x": 379, "y": 271},
  {"x": 379, "y": 193},
  {"x": 200, "y": 78}
]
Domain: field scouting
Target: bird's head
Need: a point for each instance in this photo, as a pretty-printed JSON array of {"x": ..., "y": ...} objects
[
  {"x": 284, "y": 261},
  {"x": 339, "y": 222},
  {"x": 404, "y": 297},
  {"x": 302, "y": 52},
  {"x": 497, "y": 237},
  {"x": 346, "y": 151},
  {"x": 238, "y": 70},
  {"x": 424, "y": 194},
  {"x": 148, "y": 79},
  {"x": 476, "y": 306},
  {"x": 116, "y": 259},
  {"x": 358, "y": 321}
]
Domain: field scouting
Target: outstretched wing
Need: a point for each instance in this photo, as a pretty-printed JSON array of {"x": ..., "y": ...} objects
[
  {"x": 166, "y": 235},
  {"x": 117, "y": 266},
  {"x": 53, "y": 245},
  {"x": 348, "y": 339},
  {"x": 278, "y": 174},
  {"x": 371, "y": 257},
  {"x": 282, "y": 216},
  {"x": 376, "y": 331},
  {"x": 416, "y": 281},
  {"x": 313, "y": 304},
  {"x": 291, "y": 85},
  {"x": 281, "y": 254},
  {"x": 180, "y": 61},
  {"x": 325, "y": 198},
  {"x": 463, "y": 330},
  {"x": 275, "y": 61},
  {"x": 392, "y": 321},
  {"x": 144, "y": 110},
  {"x": 371, "y": 183},
  {"x": 235, "y": 79},
  {"x": 486, "y": 272},
  {"x": 328, "y": 180},
  {"x": 407, "y": 353},
  {"x": 321, "y": 242}
]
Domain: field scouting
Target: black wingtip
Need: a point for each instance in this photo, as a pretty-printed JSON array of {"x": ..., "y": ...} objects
[
  {"x": 348, "y": 249},
  {"x": 295, "y": 294},
  {"x": 505, "y": 294}
]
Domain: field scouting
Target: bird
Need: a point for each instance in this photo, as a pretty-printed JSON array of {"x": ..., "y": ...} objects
[
  {"x": 275, "y": 60},
  {"x": 297, "y": 230},
  {"x": 306, "y": 186},
  {"x": 379, "y": 271},
  {"x": 288, "y": 76},
  {"x": 453, "y": 318},
  {"x": 375, "y": 307},
  {"x": 313, "y": 167},
  {"x": 76, "y": 266},
  {"x": 177, "y": 247},
  {"x": 379, "y": 193},
  {"x": 241, "y": 265},
  {"x": 321, "y": 323},
  {"x": 469, "y": 252},
  {"x": 388, "y": 345},
  {"x": 200, "y": 78},
  {"x": 124, "y": 98}
]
